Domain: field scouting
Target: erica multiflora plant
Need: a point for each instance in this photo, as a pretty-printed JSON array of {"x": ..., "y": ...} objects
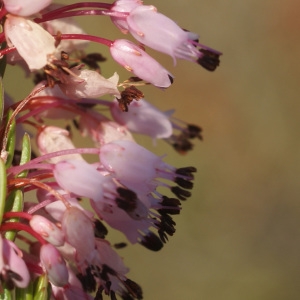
[{"x": 65, "y": 253}]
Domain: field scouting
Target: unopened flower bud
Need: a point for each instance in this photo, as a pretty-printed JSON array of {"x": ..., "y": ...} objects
[
  {"x": 25, "y": 8},
  {"x": 33, "y": 42},
  {"x": 54, "y": 265},
  {"x": 79, "y": 232},
  {"x": 137, "y": 61},
  {"x": 49, "y": 231},
  {"x": 144, "y": 118}
]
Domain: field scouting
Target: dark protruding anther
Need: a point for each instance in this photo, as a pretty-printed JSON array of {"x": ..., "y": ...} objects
[
  {"x": 152, "y": 242},
  {"x": 209, "y": 60}
]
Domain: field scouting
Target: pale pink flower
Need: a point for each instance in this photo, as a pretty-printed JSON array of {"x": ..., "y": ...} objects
[
  {"x": 13, "y": 269},
  {"x": 33, "y": 43},
  {"x": 144, "y": 118},
  {"x": 56, "y": 208},
  {"x": 72, "y": 291},
  {"x": 133, "y": 165},
  {"x": 137, "y": 61},
  {"x": 25, "y": 8},
  {"x": 79, "y": 233},
  {"x": 157, "y": 31},
  {"x": 84, "y": 180},
  {"x": 48, "y": 230},
  {"x": 101, "y": 130},
  {"x": 89, "y": 84},
  {"x": 51, "y": 139},
  {"x": 54, "y": 265},
  {"x": 139, "y": 169},
  {"x": 110, "y": 258},
  {"x": 125, "y": 6}
]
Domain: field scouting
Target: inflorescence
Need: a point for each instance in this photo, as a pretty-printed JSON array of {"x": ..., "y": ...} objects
[{"x": 66, "y": 253}]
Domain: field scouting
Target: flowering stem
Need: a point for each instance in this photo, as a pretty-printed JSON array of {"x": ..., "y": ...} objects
[
  {"x": 87, "y": 37},
  {"x": 34, "y": 163},
  {"x": 19, "y": 226},
  {"x": 17, "y": 214},
  {"x": 78, "y": 5},
  {"x": 14, "y": 114},
  {"x": 78, "y": 13}
]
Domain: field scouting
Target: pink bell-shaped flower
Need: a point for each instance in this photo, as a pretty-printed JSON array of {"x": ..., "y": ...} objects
[
  {"x": 144, "y": 118},
  {"x": 89, "y": 84},
  {"x": 137, "y": 61},
  {"x": 13, "y": 269},
  {"x": 51, "y": 139},
  {"x": 133, "y": 165},
  {"x": 157, "y": 31},
  {"x": 48, "y": 230},
  {"x": 25, "y": 8},
  {"x": 79, "y": 233},
  {"x": 125, "y": 6},
  {"x": 54, "y": 265},
  {"x": 33, "y": 43},
  {"x": 84, "y": 180}
]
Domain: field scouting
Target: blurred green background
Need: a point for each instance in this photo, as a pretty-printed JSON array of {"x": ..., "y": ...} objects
[{"x": 238, "y": 237}]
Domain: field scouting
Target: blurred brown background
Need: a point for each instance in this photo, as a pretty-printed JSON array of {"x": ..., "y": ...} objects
[{"x": 238, "y": 237}]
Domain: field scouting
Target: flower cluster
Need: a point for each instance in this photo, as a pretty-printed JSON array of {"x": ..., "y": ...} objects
[{"x": 46, "y": 182}]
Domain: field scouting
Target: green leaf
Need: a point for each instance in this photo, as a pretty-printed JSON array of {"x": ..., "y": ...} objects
[
  {"x": 11, "y": 140},
  {"x": 15, "y": 204},
  {"x": 26, "y": 154},
  {"x": 42, "y": 289},
  {"x": 25, "y": 294},
  {"x": 6, "y": 294},
  {"x": 3, "y": 186}
]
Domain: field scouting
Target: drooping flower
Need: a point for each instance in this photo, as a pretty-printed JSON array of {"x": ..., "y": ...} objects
[
  {"x": 51, "y": 139},
  {"x": 33, "y": 43},
  {"x": 143, "y": 118},
  {"x": 54, "y": 265},
  {"x": 137, "y": 61},
  {"x": 159, "y": 32},
  {"x": 25, "y": 8},
  {"x": 125, "y": 6},
  {"x": 89, "y": 84},
  {"x": 13, "y": 270}
]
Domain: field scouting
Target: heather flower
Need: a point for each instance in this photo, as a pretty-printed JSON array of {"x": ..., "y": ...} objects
[
  {"x": 143, "y": 118},
  {"x": 101, "y": 130},
  {"x": 89, "y": 84},
  {"x": 125, "y": 6},
  {"x": 137, "y": 61},
  {"x": 80, "y": 235},
  {"x": 136, "y": 167},
  {"x": 48, "y": 230},
  {"x": 83, "y": 179},
  {"x": 157, "y": 31},
  {"x": 33, "y": 43},
  {"x": 54, "y": 265},
  {"x": 68, "y": 253},
  {"x": 25, "y": 8},
  {"x": 51, "y": 139},
  {"x": 13, "y": 270}
]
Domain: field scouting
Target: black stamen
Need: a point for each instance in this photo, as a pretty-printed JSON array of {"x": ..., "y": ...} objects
[
  {"x": 132, "y": 286},
  {"x": 180, "y": 193},
  {"x": 184, "y": 183},
  {"x": 151, "y": 242},
  {"x": 120, "y": 245},
  {"x": 100, "y": 231},
  {"x": 209, "y": 60}
]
